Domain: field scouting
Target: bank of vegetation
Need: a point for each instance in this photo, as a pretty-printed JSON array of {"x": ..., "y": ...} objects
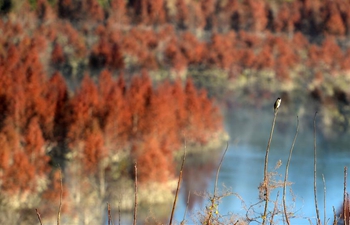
[{"x": 92, "y": 86}]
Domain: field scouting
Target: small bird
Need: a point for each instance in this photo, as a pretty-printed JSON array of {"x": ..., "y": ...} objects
[{"x": 277, "y": 104}]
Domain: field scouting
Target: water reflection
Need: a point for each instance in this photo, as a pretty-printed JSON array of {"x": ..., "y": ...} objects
[{"x": 242, "y": 169}]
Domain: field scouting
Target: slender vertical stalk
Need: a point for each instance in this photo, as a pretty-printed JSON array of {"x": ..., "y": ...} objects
[
  {"x": 38, "y": 215},
  {"x": 185, "y": 213},
  {"x": 335, "y": 220},
  {"x": 315, "y": 169},
  {"x": 286, "y": 174},
  {"x": 265, "y": 167},
  {"x": 324, "y": 200},
  {"x": 135, "y": 206},
  {"x": 275, "y": 209},
  {"x": 345, "y": 200},
  {"x": 109, "y": 214},
  {"x": 214, "y": 198},
  {"x": 178, "y": 187},
  {"x": 218, "y": 170}
]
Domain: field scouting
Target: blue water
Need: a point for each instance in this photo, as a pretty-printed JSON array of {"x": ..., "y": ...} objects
[{"x": 242, "y": 169}]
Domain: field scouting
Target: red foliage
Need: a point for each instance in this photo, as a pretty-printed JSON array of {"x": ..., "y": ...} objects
[
  {"x": 57, "y": 55},
  {"x": 138, "y": 98},
  {"x": 259, "y": 15},
  {"x": 182, "y": 15},
  {"x": 222, "y": 52},
  {"x": 116, "y": 115},
  {"x": 20, "y": 176},
  {"x": 175, "y": 57},
  {"x": 153, "y": 163},
  {"x": 93, "y": 9},
  {"x": 265, "y": 58},
  {"x": 149, "y": 11},
  {"x": 5, "y": 153},
  {"x": 44, "y": 11},
  {"x": 192, "y": 49},
  {"x": 194, "y": 119},
  {"x": 57, "y": 99},
  {"x": 83, "y": 107},
  {"x": 333, "y": 19},
  {"x": 94, "y": 151},
  {"x": 35, "y": 147},
  {"x": 106, "y": 53},
  {"x": 288, "y": 15}
]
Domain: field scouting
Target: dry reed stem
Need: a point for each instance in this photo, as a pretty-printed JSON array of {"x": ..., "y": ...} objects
[
  {"x": 335, "y": 221},
  {"x": 286, "y": 174},
  {"x": 315, "y": 169},
  {"x": 178, "y": 187},
  {"x": 214, "y": 198},
  {"x": 39, "y": 217},
  {"x": 275, "y": 208},
  {"x": 324, "y": 200},
  {"x": 266, "y": 182},
  {"x": 185, "y": 213},
  {"x": 109, "y": 214},
  {"x": 135, "y": 206},
  {"x": 345, "y": 200},
  {"x": 61, "y": 194},
  {"x": 218, "y": 170}
]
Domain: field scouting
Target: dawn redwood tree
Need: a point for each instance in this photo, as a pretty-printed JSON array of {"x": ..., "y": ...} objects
[
  {"x": 161, "y": 117},
  {"x": 28, "y": 162},
  {"x": 83, "y": 107},
  {"x": 178, "y": 97},
  {"x": 94, "y": 151},
  {"x": 57, "y": 97},
  {"x": 193, "y": 107},
  {"x": 115, "y": 114},
  {"x": 20, "y": 177},
  {"x": 35, "y": 146},
  {"x": 154, "y": 164},
  {"x": 138, "y": 98},
  {"x": 57, "y": 55}
]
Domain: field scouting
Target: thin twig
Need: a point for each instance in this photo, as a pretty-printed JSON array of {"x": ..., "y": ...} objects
[
  {"x": 324, "y": 201},
  {"x": 39, "y": 217},
  {"x": 286, "y": 174},
  {"x": 265, "y": 166},
  {"x": 315, "y": 185},
  {"x": 109, "y": 214},
  {"x": 335, "y": 220},
  {"x": 345, "y": 201},
  {"x": 218, "y": 170},
  {"x": 187, "y": 203},
  {"x": 214, "y": 198},
  {"x": 61, "y": 194},
  {"x": 178, "y": 187},
  {"x": 274, "y": 208},
  {"x": 135, "y": 206}
]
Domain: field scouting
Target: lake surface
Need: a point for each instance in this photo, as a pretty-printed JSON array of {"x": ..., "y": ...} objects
[
  {"x": 243, "y": 165},
  {"x": 242, "y": 168}
]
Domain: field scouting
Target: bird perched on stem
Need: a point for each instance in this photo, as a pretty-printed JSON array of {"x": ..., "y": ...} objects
[{"x": 277, "y": 104}]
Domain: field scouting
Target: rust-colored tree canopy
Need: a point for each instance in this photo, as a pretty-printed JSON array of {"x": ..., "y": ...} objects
[
  {"x": 43, "y": 121},
  {"x": 76, "y": 88}
]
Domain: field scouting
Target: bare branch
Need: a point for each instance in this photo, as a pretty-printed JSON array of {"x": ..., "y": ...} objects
[
  {"x": 286, "y": 174},
  {"x": 315, "y": 169},
  {"x": 178, "y": 187}
]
